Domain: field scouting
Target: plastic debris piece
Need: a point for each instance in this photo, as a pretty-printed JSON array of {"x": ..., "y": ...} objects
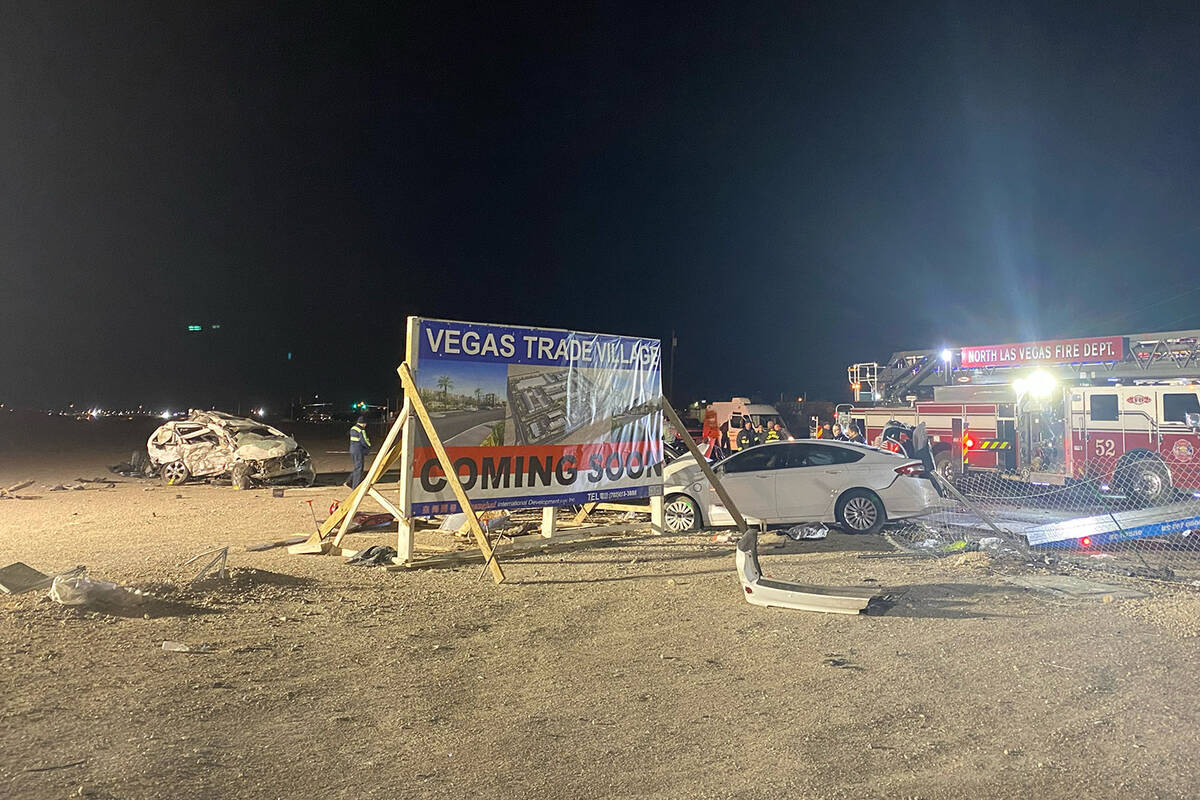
[
  {"x": 180, "y": 647},
  {"x": 808, "y": 530},
  {"x": 80, "y": 589}
]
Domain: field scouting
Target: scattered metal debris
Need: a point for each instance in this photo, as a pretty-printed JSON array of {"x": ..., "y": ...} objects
[{"x": 216, "y": 566}]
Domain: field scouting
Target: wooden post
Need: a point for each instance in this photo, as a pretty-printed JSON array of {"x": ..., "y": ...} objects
[
  {"x": 549, "y": 521},
  {"x": 656, "y": 514},
  {"x": 404, "y": 542},
  {"x": 704, "y": 467},
  {"x": 418, "y": 407}
]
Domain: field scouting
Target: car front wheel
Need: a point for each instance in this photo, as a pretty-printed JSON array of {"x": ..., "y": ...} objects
[
  {"x": 681, "y": 514},
  {"x": 174, "y": 473},
  {"x": 861, "y": 511}
]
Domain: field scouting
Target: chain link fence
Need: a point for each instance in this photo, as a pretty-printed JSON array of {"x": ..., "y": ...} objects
[{"x": 1137, "y": 517}]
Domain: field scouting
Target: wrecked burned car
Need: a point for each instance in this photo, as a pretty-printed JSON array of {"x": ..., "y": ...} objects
[{"x": 210, "y": 444}]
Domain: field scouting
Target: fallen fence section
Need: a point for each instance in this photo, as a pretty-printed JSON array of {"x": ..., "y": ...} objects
[{"x": 1121, "y": 526}]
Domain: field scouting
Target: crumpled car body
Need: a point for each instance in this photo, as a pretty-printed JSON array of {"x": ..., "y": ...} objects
[{"x": 212, "y": 444}]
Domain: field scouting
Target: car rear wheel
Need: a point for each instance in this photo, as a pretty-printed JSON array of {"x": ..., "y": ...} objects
[
  {"x": 174, "y": 473},
  {"x": 681, "y": 514},
  {"x": 861, "y": 511}
]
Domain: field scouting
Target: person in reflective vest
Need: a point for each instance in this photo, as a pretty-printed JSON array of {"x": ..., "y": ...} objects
[
  {"x": 774, "y": 435},
  {"x": 745, "y": 437},
  {"x": 360, "y": 445}
]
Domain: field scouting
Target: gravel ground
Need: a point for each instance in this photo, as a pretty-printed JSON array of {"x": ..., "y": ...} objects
[{"x": 628, "y": 668}]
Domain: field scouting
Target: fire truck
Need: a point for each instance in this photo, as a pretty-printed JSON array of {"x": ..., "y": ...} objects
[{"x": 1121, "y": 412}]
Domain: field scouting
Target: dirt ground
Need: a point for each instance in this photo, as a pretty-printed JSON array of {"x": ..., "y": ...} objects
[{"x": 629, "y": 669}]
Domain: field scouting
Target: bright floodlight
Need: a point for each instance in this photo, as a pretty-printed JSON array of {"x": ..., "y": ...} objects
[
  {"x": 1039, "y": 384},
  {"x": 947, "y": 354}
]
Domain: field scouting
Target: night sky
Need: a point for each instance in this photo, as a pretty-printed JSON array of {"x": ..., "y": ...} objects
[{"x": 789, "y": 187}]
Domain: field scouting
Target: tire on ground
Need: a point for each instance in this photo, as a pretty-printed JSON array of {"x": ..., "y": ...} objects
[{"x": 860, "y": 511}]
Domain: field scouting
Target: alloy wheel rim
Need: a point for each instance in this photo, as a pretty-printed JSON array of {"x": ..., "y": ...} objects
[
  {"x": 860, "y": 513},
  {"x": 679, "y": 516},
  {"x": 174, "y": 472}
]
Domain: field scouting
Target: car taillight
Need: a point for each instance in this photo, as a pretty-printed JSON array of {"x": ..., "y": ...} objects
[{"x": 914, "y": 470}]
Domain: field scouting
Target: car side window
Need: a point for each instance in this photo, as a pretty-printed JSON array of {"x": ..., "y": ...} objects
[
  {"x": 819, "y": 455},
  {"x": 759, "y": 458}
]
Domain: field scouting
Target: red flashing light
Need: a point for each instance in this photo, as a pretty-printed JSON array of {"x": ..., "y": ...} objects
[
  {"x": 1086, "y": 541},
  {"x": 968, "y": 442}
]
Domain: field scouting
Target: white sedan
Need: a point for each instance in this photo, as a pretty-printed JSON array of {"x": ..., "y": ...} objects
[{"x": 856, "y": 486}]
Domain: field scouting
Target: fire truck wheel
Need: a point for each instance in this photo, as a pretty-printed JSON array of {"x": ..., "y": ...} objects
[
  {"x": 1146, "y": 482},
  {"x": 860, "y": 511},
  {"x": 943, "y": 466}
]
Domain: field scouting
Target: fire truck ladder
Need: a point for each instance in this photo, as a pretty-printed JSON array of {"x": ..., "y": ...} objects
[
  {"x": 863, "y": 378},
  {"x": 1147, "y": 357}
]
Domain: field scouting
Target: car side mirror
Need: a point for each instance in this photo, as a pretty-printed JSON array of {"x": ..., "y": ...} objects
[{"x": 1192, "y": 420}]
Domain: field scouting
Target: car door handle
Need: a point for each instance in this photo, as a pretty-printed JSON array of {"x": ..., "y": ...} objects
[{"x": 764, "y": 477}]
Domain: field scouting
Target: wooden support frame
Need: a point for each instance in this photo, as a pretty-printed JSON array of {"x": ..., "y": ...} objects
[
  {"x": 396, "y": 445},
  {"x": 413, "y": 399},
  {"x": 387, "y": 457}
]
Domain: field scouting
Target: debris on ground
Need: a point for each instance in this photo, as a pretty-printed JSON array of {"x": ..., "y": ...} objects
[
  {"x": 79, "y": 589},
  {"x": 365, "y": 521},
  {"x": 11, "y": 492},
  {"x": 255, "y": 548},
  {"x": 490, "y": 521},
  {"x": 973, "y": 558},
  {"x": 808, "y": 530},
  {"x": 180, "y": 647},
  {"x": 19, "y": 577},
  {"x": 373, "y": 556},
  {"x": 216, "y": 566}
]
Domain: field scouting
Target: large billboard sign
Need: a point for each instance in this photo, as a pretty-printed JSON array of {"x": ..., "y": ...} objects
[
  {"x": 1057, "y": 351},
  {"x": 532, "y": 417}
]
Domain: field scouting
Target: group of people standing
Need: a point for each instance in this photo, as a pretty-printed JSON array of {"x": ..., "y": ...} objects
[
  {"x": 753, "y": 433},
  {"x": 835, "y": 431}
]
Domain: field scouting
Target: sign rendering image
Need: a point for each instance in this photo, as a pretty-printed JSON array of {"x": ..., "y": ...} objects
[{"x": 533, "y": 417}]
